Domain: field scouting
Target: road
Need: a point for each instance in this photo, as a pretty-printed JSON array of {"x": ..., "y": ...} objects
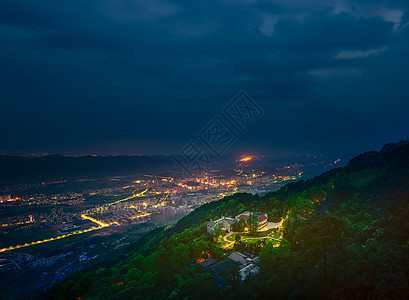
[
  {"x": 50, "y": 239},
  {"x": 130, "y": 197},
  {"x": 99, "y": 223}
]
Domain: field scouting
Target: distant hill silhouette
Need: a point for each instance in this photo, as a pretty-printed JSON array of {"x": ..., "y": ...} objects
[{"x": 19, "y": 170}]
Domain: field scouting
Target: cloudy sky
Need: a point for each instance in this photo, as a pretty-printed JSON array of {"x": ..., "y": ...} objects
[{"x": 145, "y": 76}]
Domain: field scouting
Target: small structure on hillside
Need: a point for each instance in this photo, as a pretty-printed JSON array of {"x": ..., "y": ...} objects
[
  {"x": 261, "y": 218},
  {"x": 224, "y": 223},
  {"x": 246, "y": 265}
]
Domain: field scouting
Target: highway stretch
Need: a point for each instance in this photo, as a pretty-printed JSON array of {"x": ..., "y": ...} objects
[{"x": 84, "y": 216}]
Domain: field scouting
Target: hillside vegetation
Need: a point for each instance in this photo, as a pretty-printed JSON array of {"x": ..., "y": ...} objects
[{"x": 345, "y": 236}]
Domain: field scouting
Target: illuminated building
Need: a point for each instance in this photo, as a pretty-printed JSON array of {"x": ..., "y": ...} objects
[
  {"x": 224, "y": 223},
  {"x": 261, "y": 218}
]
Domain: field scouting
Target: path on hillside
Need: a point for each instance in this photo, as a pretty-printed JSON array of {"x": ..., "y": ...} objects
[
  {"x": 263, "y": 237},
  {"x": 227, "y": 235},
  {"x": 249, "y": 238}
]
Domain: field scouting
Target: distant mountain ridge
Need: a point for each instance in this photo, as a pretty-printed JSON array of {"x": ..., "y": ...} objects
[
  {"x": 390, "y": 152},
  {"x": 20, "y": 170},
  {"x": 37, "y": 169}
]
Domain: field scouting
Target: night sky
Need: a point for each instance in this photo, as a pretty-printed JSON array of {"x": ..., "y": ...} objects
[{"x": 128, "y": 77}]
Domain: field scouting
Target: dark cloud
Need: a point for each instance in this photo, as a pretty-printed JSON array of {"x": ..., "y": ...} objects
[{"x": 146, "y": 76}]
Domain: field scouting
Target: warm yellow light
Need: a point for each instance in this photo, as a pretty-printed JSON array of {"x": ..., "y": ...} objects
[{"x": 246, "y": 158}]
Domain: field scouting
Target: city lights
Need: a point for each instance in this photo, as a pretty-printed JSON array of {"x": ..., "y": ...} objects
[{"x": 246, "y": 158}]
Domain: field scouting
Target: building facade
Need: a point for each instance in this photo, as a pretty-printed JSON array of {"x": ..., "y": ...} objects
[
  {"x": 226, "y": 223},
  {"x": 261, "y": 218}
]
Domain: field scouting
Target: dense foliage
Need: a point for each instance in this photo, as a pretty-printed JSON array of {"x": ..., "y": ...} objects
[{"x": 346, "y": 236}]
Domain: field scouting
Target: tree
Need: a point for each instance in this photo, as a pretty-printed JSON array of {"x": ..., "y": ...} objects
[
  {"x": 239, "y": 246},
  {"x": 216, "y": 233},
  {"x": 253, "y": 223},
  {"x": 201, "y": 286},
  {"x": 217, "y": 254},
  {"x": 275, "y": 259},
  {"x": 180, "y": 256},
  {"x": 239, "y": 226},
  {"x": 301, "y": 208},
  {"x": 241, "y": 208},
  {"x": 275, "y": 215},
  {"x": 185, "y": 236},
  {"x": 321, "y": 237},
  {"x": 200, "y": 249},
  {"x": 164, "y": 268},
  {"x": 237, "y": 238}
]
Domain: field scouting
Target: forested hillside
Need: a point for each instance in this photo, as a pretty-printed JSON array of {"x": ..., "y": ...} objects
[{"x": 345, "y": 236}]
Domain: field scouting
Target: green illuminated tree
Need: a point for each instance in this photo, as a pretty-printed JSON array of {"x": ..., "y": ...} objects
[
  {"x": 252, "y": 223},
  {"x": 239, "y": 225},
  {"x": 216, "y": 233}
]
